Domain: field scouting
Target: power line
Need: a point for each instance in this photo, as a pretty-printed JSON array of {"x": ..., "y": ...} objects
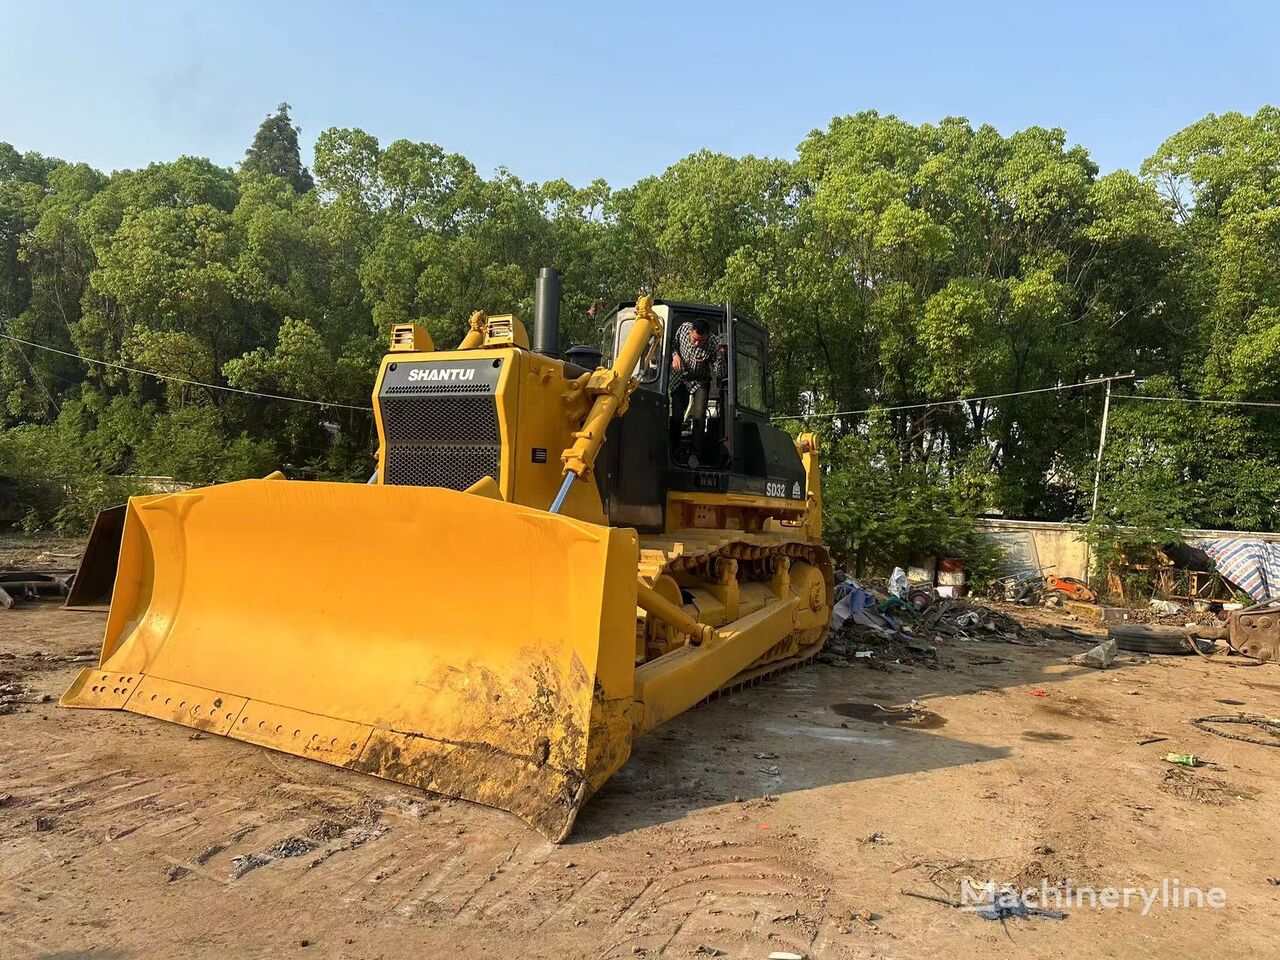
[
  {"x": 1224, "y": 403},
  {"x": 1021, "y": 393},
  {"x": 36, "y": 377},
  {"x": 795, "y": 416},
  {"x": 944, "y": 403},
  {"x": 183, "y": 380}
]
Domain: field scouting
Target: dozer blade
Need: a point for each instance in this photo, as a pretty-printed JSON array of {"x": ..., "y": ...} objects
[
  {"x": 97, "y": 570},
  {"x": 453, "y": 642}
]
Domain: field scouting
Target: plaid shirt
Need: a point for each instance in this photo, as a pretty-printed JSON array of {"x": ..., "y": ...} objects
[{"x": 698, "y": 364}]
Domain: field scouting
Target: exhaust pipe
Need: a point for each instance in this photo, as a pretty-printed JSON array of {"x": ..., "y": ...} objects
[{"x": 546, "y": 312}]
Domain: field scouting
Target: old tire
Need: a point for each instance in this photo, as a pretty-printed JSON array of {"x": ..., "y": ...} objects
[{"x": 1148, "y": 638}]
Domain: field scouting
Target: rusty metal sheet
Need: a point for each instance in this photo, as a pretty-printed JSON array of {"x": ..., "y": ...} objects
[{"x": 1255, "y": 631}]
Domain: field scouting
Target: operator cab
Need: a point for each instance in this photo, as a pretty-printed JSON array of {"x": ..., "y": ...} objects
[{"x": 741, "y": 450}]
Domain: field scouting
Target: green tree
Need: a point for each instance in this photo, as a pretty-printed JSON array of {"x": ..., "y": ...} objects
[
  {"x": 896, "y": 267},
  {"x": 275, "y": 152}
]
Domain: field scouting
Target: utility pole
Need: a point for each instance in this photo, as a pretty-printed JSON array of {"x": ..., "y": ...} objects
[
  {"x": 1102, "y": 443},
  {"x": 1102, "y": 436}
]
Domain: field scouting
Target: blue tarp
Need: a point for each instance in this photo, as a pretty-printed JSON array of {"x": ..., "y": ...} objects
[
  {"x": 1252, "y": 565},
  {"x": 851, "y": 599}
]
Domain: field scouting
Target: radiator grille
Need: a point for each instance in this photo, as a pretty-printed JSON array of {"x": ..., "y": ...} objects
[
  {"x": 441, "y": 441},
  {"x": 455, "y": 466},
  {"x": 420, "y": 389},
  {"x": 437, "y": 419}
]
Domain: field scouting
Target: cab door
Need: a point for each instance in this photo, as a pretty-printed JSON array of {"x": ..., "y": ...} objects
[
  {"x": 747, "y": 372},
  {"x": 631, "y": 471}
]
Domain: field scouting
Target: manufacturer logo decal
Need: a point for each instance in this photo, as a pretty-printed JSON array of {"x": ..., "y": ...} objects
[
  {"x": 796, "y": 492},
  {"x": 442, "y": 373}
]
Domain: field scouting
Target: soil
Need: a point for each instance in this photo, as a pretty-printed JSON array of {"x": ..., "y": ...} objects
[{"x": 770, "y": 820}]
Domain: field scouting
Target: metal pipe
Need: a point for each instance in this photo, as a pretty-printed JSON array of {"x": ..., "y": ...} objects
[
  {"x": 546, "y": 312},
  {"x": 609, "y": 387},
  {"x": 656, "y": 605},
  {"x": 564, "y": 492}
]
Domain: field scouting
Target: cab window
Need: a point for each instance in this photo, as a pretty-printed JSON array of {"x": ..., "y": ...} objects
[
  {"x": 749, "y": 369},
  {"x": 648, "y": 372}
]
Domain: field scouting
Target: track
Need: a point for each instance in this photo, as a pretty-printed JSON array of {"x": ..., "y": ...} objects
[{"x": 695, "y": 552}]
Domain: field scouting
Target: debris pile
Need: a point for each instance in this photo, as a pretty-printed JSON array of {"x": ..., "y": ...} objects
[
  {"x": 18, "y": 585},
  {"x": 907, "y": 624},
  {"x": 14, "y": 694},
  {"x": 1169, "y": 613},
  {"x": 45, "y": 575}
]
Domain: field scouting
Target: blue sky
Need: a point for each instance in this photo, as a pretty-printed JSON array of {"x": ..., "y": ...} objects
[{"x": 585, "y": 90}]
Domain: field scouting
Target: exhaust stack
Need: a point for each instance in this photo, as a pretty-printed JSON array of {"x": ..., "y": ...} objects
[{"x": 546, "y": 313}]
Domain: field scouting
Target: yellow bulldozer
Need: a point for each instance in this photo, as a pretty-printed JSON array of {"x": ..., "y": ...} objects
[{"x": 532, "y": 578}]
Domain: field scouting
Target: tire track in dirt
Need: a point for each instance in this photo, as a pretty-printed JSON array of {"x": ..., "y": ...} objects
[{"x": 183, "y": 814}]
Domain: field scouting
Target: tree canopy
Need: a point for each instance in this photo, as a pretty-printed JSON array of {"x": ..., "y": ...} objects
[
  {"x": 275, "y": 152},
  {"x": 894, "y": 265}
]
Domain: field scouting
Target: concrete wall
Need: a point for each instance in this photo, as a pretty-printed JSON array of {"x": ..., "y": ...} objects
[
  {"x": 1055, "y": 548},
  {"x": 1059, "y": 549}
]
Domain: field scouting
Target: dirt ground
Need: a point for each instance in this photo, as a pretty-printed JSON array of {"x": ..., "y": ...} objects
[{"x": 770, "y": 820}]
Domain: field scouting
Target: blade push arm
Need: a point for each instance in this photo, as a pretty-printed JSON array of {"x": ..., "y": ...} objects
[{"x": 610, "y": 387}]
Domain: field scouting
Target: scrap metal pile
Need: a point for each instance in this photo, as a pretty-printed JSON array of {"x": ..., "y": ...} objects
[{"x": 874, "y": 623}]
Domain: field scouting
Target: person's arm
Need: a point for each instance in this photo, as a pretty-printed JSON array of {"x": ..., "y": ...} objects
[{"x": 682, "y": 333}]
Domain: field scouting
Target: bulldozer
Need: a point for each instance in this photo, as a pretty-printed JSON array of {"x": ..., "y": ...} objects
[{"x": 531, "y": 579}]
